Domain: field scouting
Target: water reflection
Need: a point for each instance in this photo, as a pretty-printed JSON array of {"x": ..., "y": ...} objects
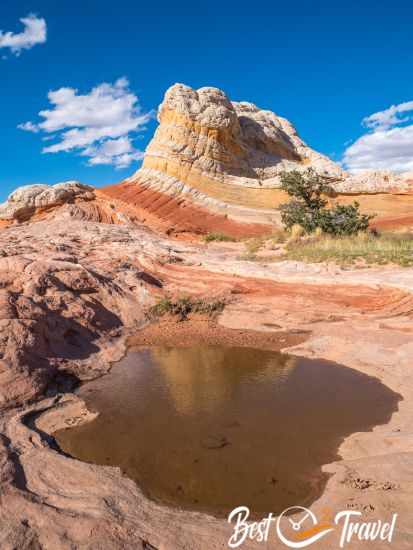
[
  {"x": 211, "y": 427},
  {"x": 203, "y": 378}
]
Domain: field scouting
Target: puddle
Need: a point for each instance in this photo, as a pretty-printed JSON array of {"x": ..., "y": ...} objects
[{"x": 210, "y": 427}]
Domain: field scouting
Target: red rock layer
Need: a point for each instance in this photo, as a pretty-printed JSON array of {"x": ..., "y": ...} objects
[
  {"x": 393, "y": 222},
  {"x": 177, "y": 216}
]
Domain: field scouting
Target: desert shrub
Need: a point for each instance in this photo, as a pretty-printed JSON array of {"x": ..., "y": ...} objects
[
  {"x": 220, "y": 237},
  {"x": 343, "y": 220},
  {"x": 309, "y": 209},
  {"x": 183, "y": 306},
  {"x": 296, "y": 212},
  {"x": 162, "y": 307}
]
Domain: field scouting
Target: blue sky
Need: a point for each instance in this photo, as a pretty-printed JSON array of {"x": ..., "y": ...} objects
[{"x": 325, "y": 66}]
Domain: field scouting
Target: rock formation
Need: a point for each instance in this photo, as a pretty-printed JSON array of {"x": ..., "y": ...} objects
[
  {"x": 224, "y": 158},
  {"x": 23, "y": 202},
  {"x": 203, "y": 133},
  {"x": 375, "y": 181},
  {"x": 204, "y": 138},
  {"x": 67, "y": 200},
  {"x": 212, "y": 166}
]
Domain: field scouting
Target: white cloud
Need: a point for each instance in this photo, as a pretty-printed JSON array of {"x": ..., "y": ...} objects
[
  {"x": 34, "y": 32},
  {"x": 117, "y": 152},
  {"x": 388, "y": 145},
  {"x": 96, "y": 125},
  {"x": 28, "y": 127},
  {"x": 389, "y": 117}
]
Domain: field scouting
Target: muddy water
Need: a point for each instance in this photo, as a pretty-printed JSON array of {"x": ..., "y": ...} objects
[{"x": 211, "y": 428}]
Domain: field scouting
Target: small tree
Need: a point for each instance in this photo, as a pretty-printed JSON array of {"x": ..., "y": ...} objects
[
  {"x": 307, "y": 189},
  {"x": 309, "y": 209},
  {"x": 344, "y": 220}
]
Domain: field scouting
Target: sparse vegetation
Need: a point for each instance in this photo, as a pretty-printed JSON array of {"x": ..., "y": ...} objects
[
  {"x": 219, "y": 237},
  {"x": 369, "y": 247},
  {"x": 253, "y": 245},
  {"x": 297, "y": 231},
  {"x": 184, "y": 306},
  {"x": 271, "y": 242},
  {"x": 278, "y": 236},
  {"x": 247, "y": 257},
  {"x": 308, "y": 209}
]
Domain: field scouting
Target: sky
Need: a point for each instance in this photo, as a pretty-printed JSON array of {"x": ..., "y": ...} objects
[{"x": 81, "y": 80}]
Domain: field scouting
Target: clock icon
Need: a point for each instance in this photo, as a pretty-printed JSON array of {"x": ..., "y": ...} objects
[{"x": 297, "y": 527}]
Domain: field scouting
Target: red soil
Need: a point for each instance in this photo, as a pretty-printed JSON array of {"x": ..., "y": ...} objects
[{"x": 177, "y": 216}]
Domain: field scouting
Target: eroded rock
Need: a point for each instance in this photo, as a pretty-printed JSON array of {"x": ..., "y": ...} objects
[
  {"x": 66, "y": 315},
  {"x": 25, "y": 200}
]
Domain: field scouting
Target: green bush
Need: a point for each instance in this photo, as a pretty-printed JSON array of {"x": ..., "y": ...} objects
[
  {"x": 184, "y": 305},
  {"x": 343, "y": 220},
  {"x": 309, "y": 209},
  {"x": 308, "y": 187},
  {"x": 296, "y": 213}
]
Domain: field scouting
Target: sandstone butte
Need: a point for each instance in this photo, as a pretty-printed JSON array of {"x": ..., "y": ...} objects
[{"x": 80, "y": 266}]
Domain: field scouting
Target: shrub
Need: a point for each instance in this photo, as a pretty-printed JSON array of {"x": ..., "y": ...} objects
[
  {"x": 220, "y": 237},
  {"x": 185, "y": 305},
  {"x": 343, "y": 220},
  {"x": 161, "y": 308},
  {"x": 309, "y": 209},
  {"x": 296, "y": 213}
]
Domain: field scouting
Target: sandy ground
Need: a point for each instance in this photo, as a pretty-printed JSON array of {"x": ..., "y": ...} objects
[{"x": 203, "y": 329}]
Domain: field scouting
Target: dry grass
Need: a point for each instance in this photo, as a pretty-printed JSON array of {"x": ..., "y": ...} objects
[
  {"x": 252, "y": 246},
  {"x": 271, "y": 242},
  {"x": 278, "y": 236},
  {"x": 387, "y": 248},
  {"x": 219, "y": 237}
]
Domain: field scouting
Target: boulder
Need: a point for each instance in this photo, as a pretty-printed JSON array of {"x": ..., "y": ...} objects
[{"x": 25, "y": 200}]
